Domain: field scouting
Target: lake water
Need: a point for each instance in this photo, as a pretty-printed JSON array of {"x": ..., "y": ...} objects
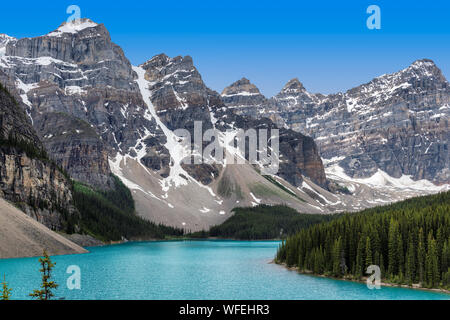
[{"x": 190, "y": 270}]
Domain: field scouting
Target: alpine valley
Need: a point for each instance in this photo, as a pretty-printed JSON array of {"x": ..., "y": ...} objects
[{"x": 87, "y": 139}]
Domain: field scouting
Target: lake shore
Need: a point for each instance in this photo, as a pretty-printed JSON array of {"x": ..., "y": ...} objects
[{"x": 415, "y": 286}]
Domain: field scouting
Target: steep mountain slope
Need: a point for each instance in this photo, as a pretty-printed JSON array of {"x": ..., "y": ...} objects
[{"x": 22, "y": 236}]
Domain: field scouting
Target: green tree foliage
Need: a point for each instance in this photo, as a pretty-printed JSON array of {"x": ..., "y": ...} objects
[
  {"x": 264, "y": 222},
  {"x": 110, "y": 215},
  {"x": 47, "y": 285},
  {"x": 409, "y": 240},
  {"x": 6, "y": 292}
]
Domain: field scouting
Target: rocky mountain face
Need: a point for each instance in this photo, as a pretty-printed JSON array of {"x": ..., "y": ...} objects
[
  {"x": 76, "y": 70},
  {"x": 180, "y": 98},
  {"x": 97, "y": 114},
  {"x": 244, "y": 97},
  {"x": 27, "y": 177},
  {"x": 396, "y": 123},
  {"x": 75, "y": 146}
]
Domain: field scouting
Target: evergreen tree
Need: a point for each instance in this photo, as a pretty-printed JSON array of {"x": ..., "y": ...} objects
[
  {"x": 369, "y": 260},
  {"x": 445, "y": 258},
  {"x": 47, "y": 285},
  {"x": 393, "y": 248},
  {"x": 410, "y": 265},
  {"x": 337, "y": 253},
  {"x": 6, "y": 292},
  {"x": 421, "y": 257},
  {"x": 432, "y": 268}
]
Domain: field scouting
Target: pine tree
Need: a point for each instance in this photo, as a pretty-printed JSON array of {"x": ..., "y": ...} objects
[
  {"x": 445, "y": 257},
  {"x": 410, "y": 265},
  {"x": 337, "y": 253},
  {"x": 433, "y": 267},
  {"x": 6, "y": 292},
  {"x": 393, "y": 247},
  {"x": 47, "y": 286},
  {"x": 360, "y": 251},
  {"x": 421, "y": 258},
  {"x": 368, "y": 253},
  {"x": 400, "y": 255}
]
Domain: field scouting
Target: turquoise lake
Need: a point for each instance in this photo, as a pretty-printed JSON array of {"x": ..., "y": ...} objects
[{"x": 190, "y": 270}]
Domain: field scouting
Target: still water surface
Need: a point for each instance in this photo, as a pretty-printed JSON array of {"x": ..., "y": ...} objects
[{"x": 190, "y": 270}]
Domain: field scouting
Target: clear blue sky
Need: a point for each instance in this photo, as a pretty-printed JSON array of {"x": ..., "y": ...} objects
[{"x": 326, "y": 44}]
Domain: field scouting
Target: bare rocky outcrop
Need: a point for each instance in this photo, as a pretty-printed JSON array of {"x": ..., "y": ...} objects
[{"x": 75, "y": 146}]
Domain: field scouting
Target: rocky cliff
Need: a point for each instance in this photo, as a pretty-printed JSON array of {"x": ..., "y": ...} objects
[
  {"x": 27, "y": 176},
  {"x": 396, "y": 123},
  {"x": 76, "y": 70},
  {"x": 180, "y": 97}
]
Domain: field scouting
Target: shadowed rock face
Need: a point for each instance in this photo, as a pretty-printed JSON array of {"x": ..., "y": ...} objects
[
  {"x": 75, "y": 146},
  {"x": 397, "y": 123},
  {"x": 27, "y": 178},
  {"x": 298, "y": 153}
]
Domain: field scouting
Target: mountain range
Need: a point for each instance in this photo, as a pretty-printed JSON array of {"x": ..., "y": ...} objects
[{"x": 83, "y": 112}]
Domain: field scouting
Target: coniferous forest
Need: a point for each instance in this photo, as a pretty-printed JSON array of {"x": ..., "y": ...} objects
[
  {"x": 263, "y": 222},
  {"x": 110, "y": 215},
  {"x": 409, "y": 241}
]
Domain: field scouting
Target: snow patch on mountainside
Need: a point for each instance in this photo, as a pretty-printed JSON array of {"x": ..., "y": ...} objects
[
  {"x": 382, "y": 180},
  {"x": 115, "y": 165},
  {"x": 4, "y": 40},
  {"x": 73, "y": 27},
  {"x": 177, "y": 150}
]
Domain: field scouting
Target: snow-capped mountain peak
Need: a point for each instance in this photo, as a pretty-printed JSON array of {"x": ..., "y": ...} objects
[
  {"x": 241, "y": 87},
  {"x": 293, "y": 86},
  {"x": 73, "y": 27},
  {"x": 4, "y": 40}
]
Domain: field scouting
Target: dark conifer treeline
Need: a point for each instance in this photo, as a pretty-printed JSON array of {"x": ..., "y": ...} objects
[
  {"x": 110, "y": 215},
  {"x": 264, "y": 222},
  {"x": 409, "y": 240}
]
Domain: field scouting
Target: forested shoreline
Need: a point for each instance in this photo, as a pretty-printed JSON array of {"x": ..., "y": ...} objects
[
  {"x": 263, "y": 222},
  {"x": 408, "y": 240}
]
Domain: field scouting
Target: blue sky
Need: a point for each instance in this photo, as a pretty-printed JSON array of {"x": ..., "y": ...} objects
[{"x": 326, "y": 44}]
